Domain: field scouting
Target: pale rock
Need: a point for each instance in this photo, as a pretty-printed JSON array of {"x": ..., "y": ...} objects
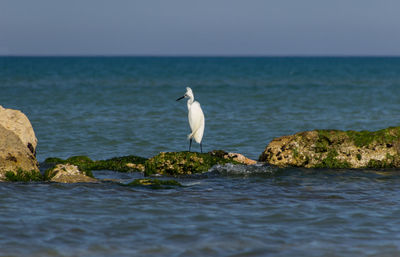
[
  {"x": 17, "y": 143},
  {"x": 241, "y": 158},
  {"x": 68, "y": 173},
  {"x": 18, "y": 123}
]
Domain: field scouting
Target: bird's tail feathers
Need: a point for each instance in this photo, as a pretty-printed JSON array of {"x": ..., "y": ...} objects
[{"x": 190, "y": 136}]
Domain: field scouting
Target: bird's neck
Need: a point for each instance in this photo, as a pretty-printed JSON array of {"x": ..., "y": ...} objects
[{"x": 190, "y": 101}]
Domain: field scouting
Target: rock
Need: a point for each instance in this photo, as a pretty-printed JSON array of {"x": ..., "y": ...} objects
[
  {"x": 237, "y": 157},
  {"x": 17, "y": 145},
  {"x": 240, "y": 158},
  {"x": 336, "y": 149},
  {"x": 122, "y": 164},
  {"x": 181, "y": 163},
  {"x": 67, "y": 173},
  {"x": 184, "y": 163},
  {"x": 18, "y": 123},
  {"x": 134, "y": 166},
  {"x": 155, "y": 183}
]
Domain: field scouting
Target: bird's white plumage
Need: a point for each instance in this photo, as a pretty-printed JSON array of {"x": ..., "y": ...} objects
[
  {"x": 196, "y": 121},
  {"x": 195, "y": 116}
]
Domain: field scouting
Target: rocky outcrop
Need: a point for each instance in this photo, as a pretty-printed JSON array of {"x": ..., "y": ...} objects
[
  {"x": 67, "y": 173},
  {"x": 336, "y": 149},
  {"x": 17, "y": 144},
  {"x": 172, "y": 163},
  {"x": 128, "y": 163},
  {"x": 185, "y": 163}
]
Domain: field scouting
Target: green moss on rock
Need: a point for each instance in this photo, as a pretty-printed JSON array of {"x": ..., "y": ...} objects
[
  {"x": 332, "y": 162},
  {"x": 122, "y": 164},
  {"x": 23, "y": 176},
  {"x": 184, "y": 163},
  {"x": 155, "y": 183},
  {"x": 48, "y": 174},
  {"x": 383, "y": 136},
  {"x": 295, "y": 153},
  {"x": 389, "y": 162}
]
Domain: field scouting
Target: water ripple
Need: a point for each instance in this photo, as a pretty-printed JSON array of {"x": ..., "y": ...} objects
[{"x": 106, "y": 107}]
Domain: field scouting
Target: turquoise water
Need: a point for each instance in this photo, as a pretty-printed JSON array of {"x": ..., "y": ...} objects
[{"x": 105, "y": 107}]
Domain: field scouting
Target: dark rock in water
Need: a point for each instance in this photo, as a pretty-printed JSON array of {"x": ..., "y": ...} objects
[
  {"x": 67, "y": 173},
  {"x": 336, "y": 149},
  {"x": 122, "y": 164},
  {"x": 184, "y": 163},
  {"x": 17, "y": 147},
  {"x": 155, "y": 183}
]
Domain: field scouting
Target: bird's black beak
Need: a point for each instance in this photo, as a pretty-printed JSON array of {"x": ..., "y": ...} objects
[{"x": 180, "y": 98}]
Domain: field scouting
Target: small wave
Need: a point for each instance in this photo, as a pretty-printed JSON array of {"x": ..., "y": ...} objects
[{"x": 193, "y": 183}]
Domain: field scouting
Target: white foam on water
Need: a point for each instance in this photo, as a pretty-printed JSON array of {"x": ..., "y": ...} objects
[{"x": 241, "y": 169}]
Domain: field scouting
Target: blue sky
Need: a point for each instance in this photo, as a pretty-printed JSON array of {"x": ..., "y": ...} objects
[{"x": 206, "y": 27}]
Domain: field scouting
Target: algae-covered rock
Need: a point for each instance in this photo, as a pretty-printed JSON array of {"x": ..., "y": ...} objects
[
  {"x": 155, "y": 183},
  {"x": 184, "y": 163},
  {"x": 67, "y": 173},
  {"x": 336, "y": 149},
  {"x": 122, "y": 164}
]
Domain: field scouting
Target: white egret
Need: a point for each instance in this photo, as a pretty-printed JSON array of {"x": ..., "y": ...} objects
[{"x": 195, "y": 117}]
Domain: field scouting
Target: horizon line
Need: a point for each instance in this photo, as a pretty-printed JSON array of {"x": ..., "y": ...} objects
[{"x": 209, "y": 55}]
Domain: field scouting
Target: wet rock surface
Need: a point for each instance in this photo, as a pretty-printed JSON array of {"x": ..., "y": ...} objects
[
  {"x": 185, "y": 163},
  {"x": 336, "y": 149}
]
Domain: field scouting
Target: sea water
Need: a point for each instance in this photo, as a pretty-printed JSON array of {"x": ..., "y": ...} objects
[{"x": 105, "y": 107}]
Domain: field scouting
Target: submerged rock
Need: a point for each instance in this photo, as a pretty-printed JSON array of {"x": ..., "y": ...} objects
[
  {"x": 336, "y": 149},
  {"x": 155, "y": 183},
  {"x": 17, "y": 146},
  {"x": 67, "y": 173},
  {"x": 184, "y": 163}
]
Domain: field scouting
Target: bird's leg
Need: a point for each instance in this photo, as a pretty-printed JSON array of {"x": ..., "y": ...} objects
[
  {"x": 201, "y": 148},
  {"x": 190, "y": 144}
]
